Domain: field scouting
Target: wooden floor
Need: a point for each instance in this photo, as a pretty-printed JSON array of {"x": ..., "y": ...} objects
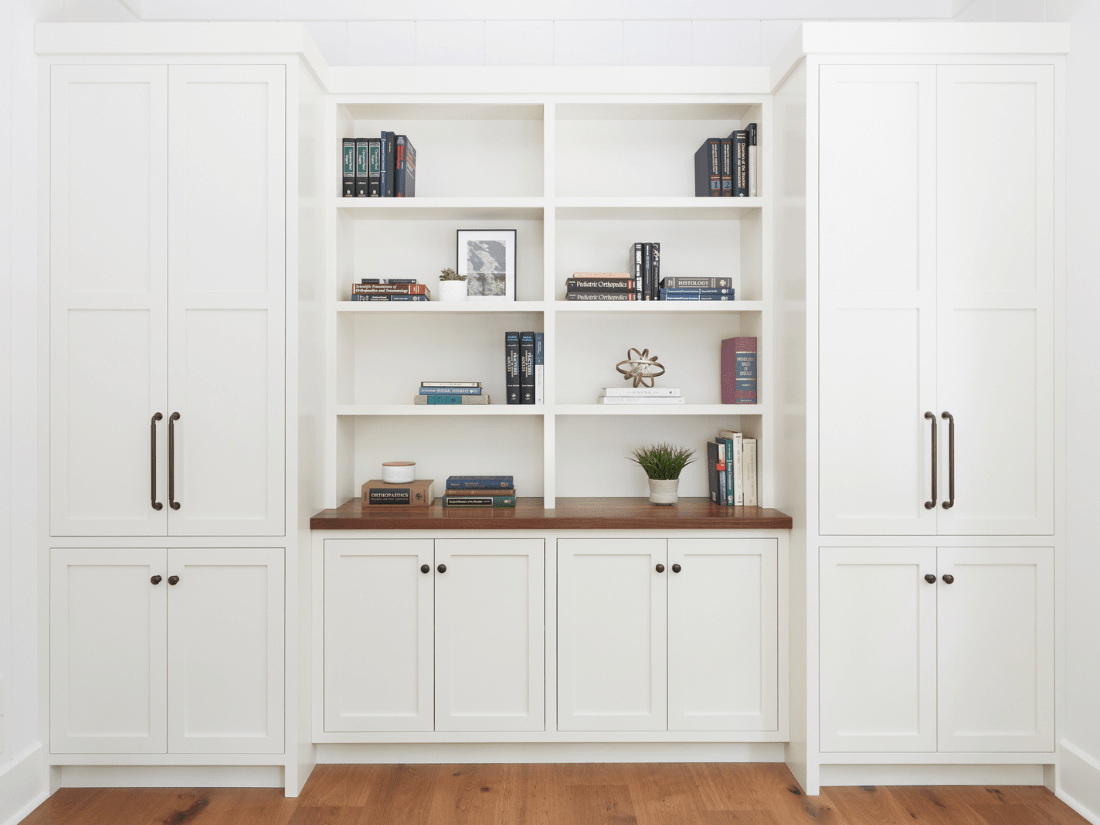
[{"x": 659, "y": 794}]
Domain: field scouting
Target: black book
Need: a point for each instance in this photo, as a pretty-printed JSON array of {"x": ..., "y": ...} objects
[
  {"x": 708, "y": 169},
  {"x": 712, "y": 470},
  {"x": 740, "y": 140},
  {"x": 527, "y": 368},
  {"x": 389, "y": 146},
  {"x": 753, "y": 169},
  {"x": 598, "y": 285},
  {"x": 349, "y": 167},
  {"x": 726, "y": 172},
  {"x": 647, "y": 272},
  {"x": 374, "y": 168},
  {"x": 406, "y": 168},
  {"x": 635, "y": 267},
  {"x": 362, "y": 152},
  {"x": 655, "y": 266},
  {"x": 511, "y": 367}
]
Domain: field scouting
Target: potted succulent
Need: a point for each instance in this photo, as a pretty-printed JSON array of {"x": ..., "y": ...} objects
[
  {"x": 663, "y": 464},
  {"x": 452, "y": 286}
]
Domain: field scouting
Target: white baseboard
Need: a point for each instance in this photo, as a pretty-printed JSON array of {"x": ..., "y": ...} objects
[
  {"x": 548, "y": 752},
  {"x": 1079, "y": 781},
  {"x": 171, "y": 776},
  {"x": 931, "y": 775},
  {"x": 21, "y": 789}
]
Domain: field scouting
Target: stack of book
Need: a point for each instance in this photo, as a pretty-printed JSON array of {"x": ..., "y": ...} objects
[
  {"x": 727, "y": 167},
  {"x": 641, "y": 395},
  {"x": 600, "y": 286},
  {"x": 731, "y": 469},
  {"x": 480, "y": 491},
  {"x": 450, "y": 392},
  {"x": 390, "y": 289},
  {"x": 644, "y": 266},
  {"x": 696, "y": 289},
  {"x": 419, "y": 493},
  {"x": 524, "y": 367},
  {"x": 382, "y": 167}
]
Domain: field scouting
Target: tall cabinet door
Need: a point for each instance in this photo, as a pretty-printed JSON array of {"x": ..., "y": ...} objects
[
  {"x": 723, "y": 634},
  {"x": 227, "y": 277},
  {"x": 225, "y": 640},
  {"x": 489, "y": 634},
  {"x": 877, "y": 299},
  {"x": 995, "y": 372},
  {"x": 108, "y": 305},
  {"x": 108, "y": 674},
  {"x": 996, "y": 649},
  {"x": 379, "y": 608},
  {"x": 612, "y": 643},
  {"x": 878, "y": 649}
]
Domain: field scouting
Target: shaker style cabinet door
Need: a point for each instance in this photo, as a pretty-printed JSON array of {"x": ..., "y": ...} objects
[
  {"x": 723, "y": 630},
  {"x": 878, "y": 649},
  {"x": 226, "y": 290},
  {"x": 489, "y": 635},
  {"x": 877, "y": 208},
  {"x": 108, "y": 663},
  {"x": 379, "y": 618},
  {"x": 995, "y": 259},
  {"x": 612, "y": 634},
  {"x": 108, "y": 299}
]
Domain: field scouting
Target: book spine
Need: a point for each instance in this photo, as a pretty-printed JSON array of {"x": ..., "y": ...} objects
[
  {"x": 450, "y": 391},
  {"x": 745, "y": 375},
  {"x": 740, "y": 164},
  {"x": 687, "y": 290},
  {"x": 714, "y": 153},
  {"x": 408, "y": 297},
  {"x": 479, "y": 501},
  {"x": 647, "y": 272},
  {"x": 399, "y": 166},
  {"x": 598, "y": 284},
  {"x": 655, "y": 253},
  {"x": 409, "y": 190},
  {"x": 702, "y": 178},
  {"x": 750, "y": 472},
  {"x": 738, "y": 470},
  {"x": 641, "y": 392},
  {"x": 753, "y": 168},
  {"x": 481, "y": 482},
  {"x": 361, "y": 168},
  {"x": 694, "y": 297},
  {"x": 618, "y": 399},
  {"x": 681, "y": 282},
  {"x": 636, "y": 257},
  {"x": 501, "y": 491},
  {"x": 450, "y": 383},
  {"x": 540, "y": 368},
  {"x": 349, "y": 167},
  {"x": 601, "y": 296},
  {"x": 374, "y": 168},
  {"x": 727, "y": 443},
  {"x": 451, "y": 399},
  {"x": 389, "y": 289},
  {"x": 527, "y": 368},
  {"x": 388, "y": 161},
  {"x": 712, "y": 470},
  {"x": 721, "y": 467},
  {"x": 511, "y": 367},
  {"x": 727, "y": 168}
]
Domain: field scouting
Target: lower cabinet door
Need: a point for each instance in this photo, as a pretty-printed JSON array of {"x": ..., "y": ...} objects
[
  {"x": 878, "y": 649},
  {"x": 225, "y": 644},
  {"x": 612, "y": 643},
  {"x": 378, "y": 634},
  {"x": 996, "y": 649},
  {"x": 723, "y": 656},
  {"x": 489, "y": 630},
  {"x": 107, "y": 651}
]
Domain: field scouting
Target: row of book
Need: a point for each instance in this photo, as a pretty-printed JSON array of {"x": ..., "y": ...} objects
[
  {"x": 381, "y": 167},
  {"x": 390, "y": 289},
  {"x": 622, "y": 286},
  {"x": 727, "y": 167},
  {"x": 640, "y": 395},
  {"x": 480, "y": 491},
  {"x": 524, "y": 367},
  {"x": 732, "y": 469},
  {"x": 450, "y": 392}
]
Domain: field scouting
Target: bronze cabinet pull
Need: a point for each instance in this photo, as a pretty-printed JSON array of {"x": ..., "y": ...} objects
[
  {"x": 948, "y": 578},
  {"x": 173, "y": 580},
  {"x": 928, "y": 505},
  {"x": 676, "y": 568},
  {"x": 660, "y": 568},
  {"x": 175, "y": 505},
  {"x": 153, "y": 464},
  {"x": 930, "y": 578},
  {"x": 950, "y": 419},
  {"x": 442, "y": 568},
  {"x": 155, "y": 580},
  {"x": 425, "y": 568}
]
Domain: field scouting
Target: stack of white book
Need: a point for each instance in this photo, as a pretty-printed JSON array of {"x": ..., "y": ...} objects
[{"x": 641, "y": 395}]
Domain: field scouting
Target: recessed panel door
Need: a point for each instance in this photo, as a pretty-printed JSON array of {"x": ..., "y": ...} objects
[
  {"x": 489, "y": 634},
  {"x": 227, "y": 283},
  {"x": 108, "y": 299},
  {"x": 612, "y": 644}
]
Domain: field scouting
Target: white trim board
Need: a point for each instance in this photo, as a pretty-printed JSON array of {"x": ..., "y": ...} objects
[
  {"x": 931, "y": 775},
  {"x": 164, "y": 776},
  {"x": 21, "y": 786},
  {"x": 548, "y": 753},
  {"x": 1079, "y": 781}
]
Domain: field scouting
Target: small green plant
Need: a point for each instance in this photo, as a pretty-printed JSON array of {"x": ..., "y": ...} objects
[
  {"x": 663, "y": 461},
  {"x": 450, "y": 275}
]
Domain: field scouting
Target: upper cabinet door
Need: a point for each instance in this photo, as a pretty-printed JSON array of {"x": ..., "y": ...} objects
[
  {"x": 108, "y": 305},
  {"x": 877, "y": 299},
  {"x": 227, "y": 297},
  {"x": 995, "y": 362}
]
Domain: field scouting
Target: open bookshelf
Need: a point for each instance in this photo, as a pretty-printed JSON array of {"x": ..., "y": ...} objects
[{"x": 581, "y": 178}]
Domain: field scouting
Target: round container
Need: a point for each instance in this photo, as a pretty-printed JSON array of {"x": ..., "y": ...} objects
[{"x": 398, "y": 472}]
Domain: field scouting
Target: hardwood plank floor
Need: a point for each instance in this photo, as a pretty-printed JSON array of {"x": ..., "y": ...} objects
[{"x": 597, "y": 794}]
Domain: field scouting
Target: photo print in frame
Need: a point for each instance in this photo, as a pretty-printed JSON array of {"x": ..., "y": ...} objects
[{"x": 487, "y": 257}]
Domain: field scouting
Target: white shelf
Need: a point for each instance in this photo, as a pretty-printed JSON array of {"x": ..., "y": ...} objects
[
  {"x": 658, "y": 409},
  {"x": 672, "y": 307},
  {"x": 669, "y": 209},
  {"x": 438, "y": 409},
  {"x": 475, "y": 307},
  {"x": 436, "y": 209}
]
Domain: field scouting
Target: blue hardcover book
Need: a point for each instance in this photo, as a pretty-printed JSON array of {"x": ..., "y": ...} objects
[
  {"x": 450, "y": 390},
  {"x": 479, "y": 501},
  {"x": 540, "y": 368},
  {"x": 408, "y": 297},
  {"x": 480, "y": 482},
  {"x": 696, "y": 297},
  {"x": 405, "y": 168},
  {"x": 729, "y": 470},
  {"x": 688, "y": 290},
  {"x": 453, "y": 398}
]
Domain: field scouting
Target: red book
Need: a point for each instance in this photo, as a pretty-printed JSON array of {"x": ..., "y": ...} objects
[{"x": 739, "y": 371}]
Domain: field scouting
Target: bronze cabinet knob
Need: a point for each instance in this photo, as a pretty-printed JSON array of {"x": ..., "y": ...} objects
[
  {"x": 155, "y": 580},
  {"x": 660, "y": 568},
  {"x": 930, "y": 578},
  {"x": 948, "y": 578},
  {"x": 442, "y": 568},
  {"x": 173, "y": 579},
  {"x": 424, "y": 568},
  {"x": 676, "y": 568}
]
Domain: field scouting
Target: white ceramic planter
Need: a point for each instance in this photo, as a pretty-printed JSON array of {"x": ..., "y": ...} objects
[
  {"x": 663, "y": 490},
  {"x": 452, "y": 290}
]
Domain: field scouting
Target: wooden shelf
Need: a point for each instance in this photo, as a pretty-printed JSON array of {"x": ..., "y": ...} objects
[{"x": 570, "y": 514}]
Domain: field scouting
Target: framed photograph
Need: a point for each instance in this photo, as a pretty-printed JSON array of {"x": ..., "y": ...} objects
[{"x": 487, "y": 257}]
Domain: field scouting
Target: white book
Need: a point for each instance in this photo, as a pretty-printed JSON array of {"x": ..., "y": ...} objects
[
  {"x": 738, "y": 465},
  {"x": 750, "y": 472},
  {"x": 640, "y": 392},
  {"x": 640, "y": 401},
  {"x": 539, "y": 372}
]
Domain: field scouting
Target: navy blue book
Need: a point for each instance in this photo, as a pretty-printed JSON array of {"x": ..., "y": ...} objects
[
  {"x": 740, "y": 139},
  {"x": 527, "y": 368},
  {"x": 695, "y": 296},
  {"x": 450, "y": 390},
  {"x": 708, "y": 177},
  {"x": 712, "y": 471},
  {"x": 480, "y": 483},
  {"x": 389, "y": 147},
  {"x": 682, "y": 282},
  {"x": 405, "y": 186},
  {"x": 687, "y": 290},
  {"x": 511, "y": 367},
  {"x": 655, "y": 264},
  {"x": 647, "y": 272}
]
